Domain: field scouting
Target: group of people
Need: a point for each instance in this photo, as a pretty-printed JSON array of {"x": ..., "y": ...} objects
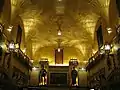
[{"x": 43, "y": 73}]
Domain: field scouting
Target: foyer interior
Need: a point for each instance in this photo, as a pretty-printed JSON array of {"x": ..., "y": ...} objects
[{"x": 60, "y": 35}]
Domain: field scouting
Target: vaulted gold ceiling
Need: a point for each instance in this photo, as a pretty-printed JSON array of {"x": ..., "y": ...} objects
[{"x": 79, "y": 19}]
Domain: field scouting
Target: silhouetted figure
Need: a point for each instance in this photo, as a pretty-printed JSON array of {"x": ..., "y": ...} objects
[
  {"x": 74, "y": 75},
  {"x": 42, "y": 76}
]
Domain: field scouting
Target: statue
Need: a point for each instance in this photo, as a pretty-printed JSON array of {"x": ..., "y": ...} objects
[
  {"x": 42, "y": 75},
  {"x": 74, "y": 74}
]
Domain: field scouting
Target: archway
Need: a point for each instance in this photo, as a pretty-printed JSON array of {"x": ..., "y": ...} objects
[{"x": 18, "y": 33}]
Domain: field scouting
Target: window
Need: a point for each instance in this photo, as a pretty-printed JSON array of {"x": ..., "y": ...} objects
[
  {"x": 19, "y": 35},
  {"x": 118, "y": 6},
  {"x": 99, "y": 37}
]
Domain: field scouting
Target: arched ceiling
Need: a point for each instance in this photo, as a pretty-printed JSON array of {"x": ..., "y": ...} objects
[{"x": 79, "y": 18}]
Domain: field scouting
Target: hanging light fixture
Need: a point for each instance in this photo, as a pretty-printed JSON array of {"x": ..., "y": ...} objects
[
  {"x": 59, "y": 32},
  {"x": 59, "y": 23},
  {"x": 58, "y": 49}
]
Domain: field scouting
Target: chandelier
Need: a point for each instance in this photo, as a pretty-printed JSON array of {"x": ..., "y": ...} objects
[{"x": 59, "y": 32}]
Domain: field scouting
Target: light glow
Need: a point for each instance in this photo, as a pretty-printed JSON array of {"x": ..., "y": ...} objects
[
  {"x": 2, "y": 44},
  {"x": 34, "y": 68},
  {"x": 58, "y": 49},
  {"x": 31, "y": 61},
  {"x": 109, "y": 30},
  {"x": 59, "y": 33},
  {"x": 116, "y": 47},
  {"x": 59, "y": 65},
  {"x": 17, "y": 46},
  {"x": 59, "y": 0},
  {"x": 11, "y": 46},
  {"x": 83, "y": 69},
  {"x": 24, "y": 50},
  {"x": 85, "y": 61},
  {"x": 9, "y": 29},
  {"x": 107, "y": 47}
]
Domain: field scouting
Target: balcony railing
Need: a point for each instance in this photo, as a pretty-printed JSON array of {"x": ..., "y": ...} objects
[
  {"x": 23, "y": 59},
  {"x": 94, "y": 60}
]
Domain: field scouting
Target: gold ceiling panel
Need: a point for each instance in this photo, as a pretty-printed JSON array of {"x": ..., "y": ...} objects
[{"x": 78, "y": 25}]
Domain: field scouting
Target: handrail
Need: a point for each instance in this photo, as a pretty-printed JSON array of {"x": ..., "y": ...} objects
[
  {"x": 92, "y": 59},
  {"x": 97, "y": 53}
]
